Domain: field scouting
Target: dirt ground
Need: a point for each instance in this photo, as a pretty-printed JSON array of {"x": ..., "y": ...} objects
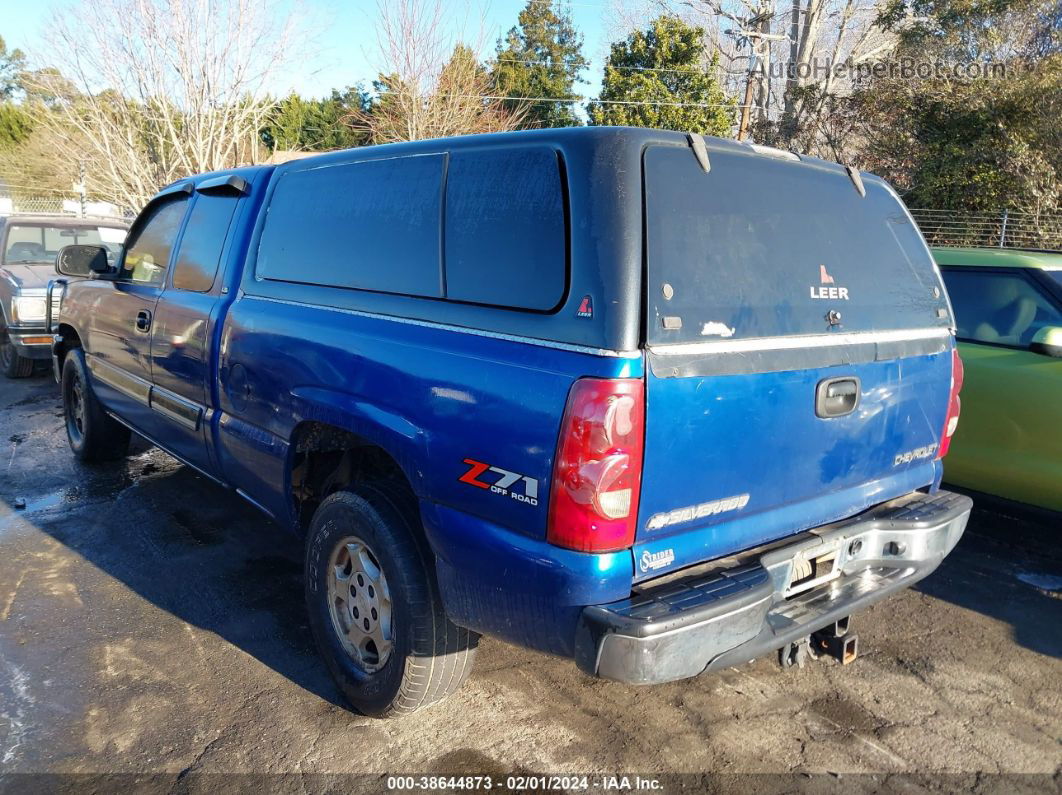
[{"x": 152, "y": 624}]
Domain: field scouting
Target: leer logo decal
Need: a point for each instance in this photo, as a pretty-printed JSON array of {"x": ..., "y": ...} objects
[
  {"x": 503, "y": 484},
  {"x": 830, "y": 293}
]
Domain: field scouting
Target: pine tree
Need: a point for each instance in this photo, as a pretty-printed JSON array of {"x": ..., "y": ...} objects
[
  {"x": 664, "y": 71},
  {"x": 542, "y": 56},
  {"x": 12, "y": 64},
  {"x": 15, "y": 125},
  {"x": 316, "y": 125}
]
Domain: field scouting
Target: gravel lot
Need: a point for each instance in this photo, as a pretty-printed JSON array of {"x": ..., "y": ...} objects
[{"x": 152, "y": 623}]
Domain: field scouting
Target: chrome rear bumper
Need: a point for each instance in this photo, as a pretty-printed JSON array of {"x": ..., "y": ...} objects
[{"x": 725, "y": 616}]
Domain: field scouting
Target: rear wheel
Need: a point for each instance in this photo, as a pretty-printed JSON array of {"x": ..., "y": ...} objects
[
  {"x": 12, "y": 364},
  {"x": 374, "y": 604},
  {"x": 92, "y": 433}
]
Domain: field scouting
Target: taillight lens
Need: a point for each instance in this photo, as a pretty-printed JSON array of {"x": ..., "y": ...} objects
[
  {"x": 951, "y": 422},
  {"x": 593, "y": 505}
]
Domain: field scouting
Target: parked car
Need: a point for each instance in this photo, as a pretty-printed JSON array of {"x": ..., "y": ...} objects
[
  {"x": 28, "y": 245},
  {"x": 1008, "y": 310},
  {"x": 628, "y": 396}
]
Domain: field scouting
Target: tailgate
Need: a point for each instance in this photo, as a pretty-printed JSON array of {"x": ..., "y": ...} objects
[{"x": 799, "y": 353}]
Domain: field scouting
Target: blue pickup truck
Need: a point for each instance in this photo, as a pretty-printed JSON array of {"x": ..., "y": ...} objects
[{"x": 656, "y": 402}]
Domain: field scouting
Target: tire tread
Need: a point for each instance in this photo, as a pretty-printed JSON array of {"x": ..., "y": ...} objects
[
  {"x": 19, "y": 366},
  {"x": 441, "y": 652},
  {"x": 104, "y": 439}
]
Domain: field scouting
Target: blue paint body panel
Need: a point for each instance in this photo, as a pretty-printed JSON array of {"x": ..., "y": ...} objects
[
  {"x": 431, "y": 397},
  {"x": 714, "y": 437},
  {"x": 432, "y": 382},
  {"x": 500, "y": 582}
]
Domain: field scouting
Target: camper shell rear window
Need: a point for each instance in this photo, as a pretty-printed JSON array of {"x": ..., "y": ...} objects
[{"x": 763, "y": 246}]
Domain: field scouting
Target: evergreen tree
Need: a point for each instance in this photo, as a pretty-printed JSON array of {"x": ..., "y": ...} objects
[
  {"x": 12, "y": 63},
  {"x": 541, "y": 57},
  {"x": 964, "y": 134},
  {"x": 15, "y": 125},
  {"x": 665, "y": 71},
  {"x": 316, "y": 125}
]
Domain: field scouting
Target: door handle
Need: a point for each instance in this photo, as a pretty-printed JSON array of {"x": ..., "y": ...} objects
[
  {"x": 836, "y": 397},
  {"x": 143, "y": 320}
]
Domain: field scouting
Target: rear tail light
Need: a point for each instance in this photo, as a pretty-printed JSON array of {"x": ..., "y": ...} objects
[
  {"x": 593, "y": 505},
  {"x": 951, "y": 422}
]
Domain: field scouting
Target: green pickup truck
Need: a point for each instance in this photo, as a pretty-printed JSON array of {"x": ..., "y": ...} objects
[{"x": 1008, "y": 308}]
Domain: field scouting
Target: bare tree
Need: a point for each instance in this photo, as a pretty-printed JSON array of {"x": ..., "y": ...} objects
[
  {"x": 147, "y": 91},
  {"x": 824, "y": 36},
  {"x": 778, "y": 55},
  {"x": 430, "y": 85}
]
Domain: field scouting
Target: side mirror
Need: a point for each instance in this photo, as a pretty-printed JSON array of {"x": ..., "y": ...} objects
[
  {"x": 82, "y": 261},
  {"x": 1048, "y": 341}
]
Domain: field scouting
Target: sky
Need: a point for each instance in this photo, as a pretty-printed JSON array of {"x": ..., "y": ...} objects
[{"x": 345, "y": 51}]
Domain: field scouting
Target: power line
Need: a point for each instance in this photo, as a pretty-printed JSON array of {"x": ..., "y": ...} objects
[
  {"x": 669, "y": 104},
  {"x": 729, "y": 72},
  {"x": 561, "y": 5},
  {"x": 599, "y": 101},
  {"x": 622, "y": 68}
]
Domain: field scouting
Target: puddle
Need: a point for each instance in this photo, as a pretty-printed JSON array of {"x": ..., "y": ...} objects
[
  {"x": 93, "y": 491},
  {"x": 1045, "y": 582},
  {"x": 48, "y": 501}
]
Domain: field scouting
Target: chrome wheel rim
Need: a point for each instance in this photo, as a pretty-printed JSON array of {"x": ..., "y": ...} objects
[{"x": 359, "y": 602}]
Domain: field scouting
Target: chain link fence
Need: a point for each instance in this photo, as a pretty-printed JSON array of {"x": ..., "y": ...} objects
[
  {"x": 1003, "y": 229},
  {"x": 57, "y": 205}
]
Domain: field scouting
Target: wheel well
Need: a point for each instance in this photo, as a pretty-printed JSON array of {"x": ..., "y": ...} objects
[
  {"x": 327, "y": 459},
  {"x": 70, "y": 341}
]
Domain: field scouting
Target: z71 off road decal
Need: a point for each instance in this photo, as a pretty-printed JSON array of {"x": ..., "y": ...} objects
[{"x": 527, "y": 491}]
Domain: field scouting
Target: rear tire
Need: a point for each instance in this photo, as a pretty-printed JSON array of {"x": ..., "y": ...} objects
[
  {"x": 93, "y": 434},
  {"x": 374, "y": 604},
  {"x": 14, "y": 365}
]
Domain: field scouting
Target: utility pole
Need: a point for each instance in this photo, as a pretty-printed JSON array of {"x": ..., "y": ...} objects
[
  {"x": 79, "y": 189},
  {"x": 787, "y": 128},
  {"x": 794, "y": 40},
  {"x": 746, "y": 104},
  {"x": 758, "y": 39}
]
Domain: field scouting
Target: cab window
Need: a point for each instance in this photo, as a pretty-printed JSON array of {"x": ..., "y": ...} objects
[
  {"x": 998, "y": 307},
  {"x": 201, "y": 246},
  {"x": 147, "y": 253}
]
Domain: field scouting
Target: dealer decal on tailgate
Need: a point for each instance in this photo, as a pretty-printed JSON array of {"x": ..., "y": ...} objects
[{"x": 503, "y": 483}]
